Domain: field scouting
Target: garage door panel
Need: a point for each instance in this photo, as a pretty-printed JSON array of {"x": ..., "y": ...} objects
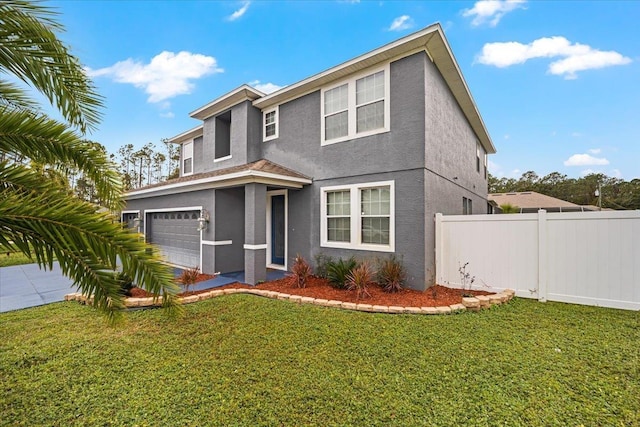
[{"x": 177, "y": 236}]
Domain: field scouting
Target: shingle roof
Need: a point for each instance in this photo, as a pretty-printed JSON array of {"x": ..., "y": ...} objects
[{"x": 261, "y": 165}]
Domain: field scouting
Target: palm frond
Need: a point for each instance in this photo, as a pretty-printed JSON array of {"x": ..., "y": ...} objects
[
  {"x": 14, "y": 97},
  {"x": 47, "y": 223},
  {"x": 49, "y": 142},
  {"x": 30, "y": 50}
]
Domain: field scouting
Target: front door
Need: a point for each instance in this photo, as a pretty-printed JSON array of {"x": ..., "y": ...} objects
[{"x": 277, "y": 226}]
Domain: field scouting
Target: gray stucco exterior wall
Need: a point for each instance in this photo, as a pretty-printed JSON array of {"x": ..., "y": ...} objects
[
  {"x": 228, "y": 220},
  {"x": 429, "y": 153}
]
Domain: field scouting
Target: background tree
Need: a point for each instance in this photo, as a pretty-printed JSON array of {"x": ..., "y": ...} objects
[
  {"x": 41, "y": 217},
  {"x": 615, "y": 193}
]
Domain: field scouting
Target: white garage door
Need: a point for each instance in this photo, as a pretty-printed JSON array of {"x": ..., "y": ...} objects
[{"x": 177, "y": 236}]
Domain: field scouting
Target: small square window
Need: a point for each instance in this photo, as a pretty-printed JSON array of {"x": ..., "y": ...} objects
[{"x": 270, "y": 124}]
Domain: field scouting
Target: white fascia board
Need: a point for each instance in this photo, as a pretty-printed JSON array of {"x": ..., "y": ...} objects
[
  {"x": 361, "y": 62},
  {"x": 234, "y": 179},
  {"x": 188, "y": 135},
  {"x": 420, "y": 40},
  {"x": 242, "y": 93}
]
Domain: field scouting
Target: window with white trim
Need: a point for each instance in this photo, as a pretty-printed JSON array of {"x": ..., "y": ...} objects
[
  {"x": 270, "y": 124},
  {"x": 477, "y": 157},
  {"x": 467, "y": 206},
  {"x": 486, "y": 166},
  {"x": 356, "y": 108},
  {"x": 187, "y": 158},
  {"x": 359, "y": 216}
]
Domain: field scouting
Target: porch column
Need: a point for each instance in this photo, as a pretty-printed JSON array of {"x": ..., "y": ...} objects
[{"x": 255, "y": 233}]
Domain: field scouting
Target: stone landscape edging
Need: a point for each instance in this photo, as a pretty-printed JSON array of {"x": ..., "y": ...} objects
[{"x": 476, "y": 303}]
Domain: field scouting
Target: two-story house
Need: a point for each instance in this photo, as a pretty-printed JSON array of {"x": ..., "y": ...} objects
[{"x": 354, "y": 160}]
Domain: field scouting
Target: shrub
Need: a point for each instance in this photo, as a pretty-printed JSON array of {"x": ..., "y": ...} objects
[
  {"x": 466, "y": 279},
  {"x": 300, "y": 271},
  {"x": 125, "y": 282},
  {"x": 391, "y": 274},
  {"x": 359, "y": 279},
  {"x": 188, "y": 277},
  {"x": 322, "y": 262},
  {"x": 337, "y": 271}
]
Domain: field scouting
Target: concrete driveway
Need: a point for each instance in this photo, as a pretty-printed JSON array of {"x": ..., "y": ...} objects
[{"x": 23, "y": 286}]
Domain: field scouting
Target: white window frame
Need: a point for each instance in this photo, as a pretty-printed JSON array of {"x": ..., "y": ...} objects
[
  {"x": 486, "y": 166},
  {"x": 266, "y": 138},
  {"x": 356, "y": 216},
  {"x": 184, "y": 157},
  {"x": 352, "y": 107}
]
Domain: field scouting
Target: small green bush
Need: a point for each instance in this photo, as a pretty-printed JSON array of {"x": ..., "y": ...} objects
[
  {"x": 391, "y": 274},
  {"x": 359, "y": 279},
  {"x": 337, "y": 271},
  {"x": 300, "y": 271},
  {"x": 322, "y": 261}
]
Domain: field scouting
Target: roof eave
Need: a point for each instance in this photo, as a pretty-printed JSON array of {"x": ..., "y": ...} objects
[
  {"x": 230, "y": 180},
  {"x": 431, "y": 39},
  {"x": 187, "y": 136},
  {"x": 228, "y": 100}
]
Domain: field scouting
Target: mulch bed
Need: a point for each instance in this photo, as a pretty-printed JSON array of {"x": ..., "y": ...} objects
[{"x": 435, "y": 296}]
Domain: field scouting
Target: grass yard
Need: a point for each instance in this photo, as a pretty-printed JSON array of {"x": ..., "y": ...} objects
[
  {"x": 14, "y": 258},
  {"x": 245, "y": 360}
]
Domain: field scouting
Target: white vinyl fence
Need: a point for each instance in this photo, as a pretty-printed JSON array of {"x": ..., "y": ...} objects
[{"x": 590, "y": 258}]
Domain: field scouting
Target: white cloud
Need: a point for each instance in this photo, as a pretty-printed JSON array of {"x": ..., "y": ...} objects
[
  {"x": 166, "y": 76},
  {"x": 167, "y": 115},
  {"x": 576, "y": 56},
  {"x": 595, "y": 150},
  {"x": 491, "y": 11},
  {"x": 238, "y": 13},
  {"x": 265, "y": 87},
  {"x": 403, "y": 22},
  {"x": 585, "y": 160}
]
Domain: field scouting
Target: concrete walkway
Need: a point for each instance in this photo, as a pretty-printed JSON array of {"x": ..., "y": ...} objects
[{"x": 23, "y": 286}]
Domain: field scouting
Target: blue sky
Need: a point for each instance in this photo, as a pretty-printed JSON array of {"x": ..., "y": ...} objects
[{"x": 557, "y": 83}]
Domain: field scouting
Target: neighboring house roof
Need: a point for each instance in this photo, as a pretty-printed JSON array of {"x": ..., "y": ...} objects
[
  {"x": 431, "y": 39},
  {"x": 531, "y": 201},
  {"x": 261, "y": 171}
]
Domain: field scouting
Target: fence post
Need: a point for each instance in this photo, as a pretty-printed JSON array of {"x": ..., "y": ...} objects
[
  {"x": 542, "y": 255},
  {"x": 438, "y": 249}
]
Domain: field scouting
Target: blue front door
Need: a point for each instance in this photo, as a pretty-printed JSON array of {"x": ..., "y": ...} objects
[{"x": 277, "y": 229}]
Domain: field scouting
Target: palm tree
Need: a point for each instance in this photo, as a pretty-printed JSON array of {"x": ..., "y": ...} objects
[{"x": 41, "y": 217}]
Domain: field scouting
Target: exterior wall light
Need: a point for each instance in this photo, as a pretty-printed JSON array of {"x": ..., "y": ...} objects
[
  {"x": 137, "y": 222},
  {"x": 203, "y": 220}
]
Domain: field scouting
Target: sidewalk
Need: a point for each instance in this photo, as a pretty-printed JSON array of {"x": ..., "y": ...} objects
[{"x": 23, "y": 286}]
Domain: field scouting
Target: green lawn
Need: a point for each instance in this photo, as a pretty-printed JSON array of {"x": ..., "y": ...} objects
[
  {"x": 245, "y": 360},
  {"x": 14, "y": 258}
]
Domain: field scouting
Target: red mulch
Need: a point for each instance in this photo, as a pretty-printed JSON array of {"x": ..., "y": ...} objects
[{"x": 435, "y": 296}]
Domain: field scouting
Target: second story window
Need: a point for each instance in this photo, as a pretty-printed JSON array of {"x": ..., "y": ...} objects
[
  {"x": 187, "y": 158},
  {"x": 270, "y": 124},
  {"x": 486, "y": 166},
  {"x": 356, "y": 108},
  {"x": 223, "y": 137},
  {"x": 477, "y": 158}
]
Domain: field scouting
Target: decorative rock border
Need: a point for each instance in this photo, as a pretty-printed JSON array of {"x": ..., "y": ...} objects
[{"x": 471, "y": 304}]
